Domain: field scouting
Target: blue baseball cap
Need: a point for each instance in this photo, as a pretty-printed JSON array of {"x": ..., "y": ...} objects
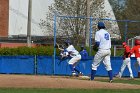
[
  {"x": 68, "y": 41},
  {"x": 101, "y": 25}
]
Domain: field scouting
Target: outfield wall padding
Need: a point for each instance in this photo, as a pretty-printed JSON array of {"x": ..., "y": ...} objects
[
  {"x": 46, "y": 65},
  {"x": 61, "y": 68},
  {"x": 17, "y": 64}
]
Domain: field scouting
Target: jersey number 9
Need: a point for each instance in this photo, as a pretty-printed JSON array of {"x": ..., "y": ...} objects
[{"x": 106, "y": 36}]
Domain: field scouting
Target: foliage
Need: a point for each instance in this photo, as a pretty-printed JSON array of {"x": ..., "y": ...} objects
[
  {"x": 130, "y": 11},
  {"x": 74, "y": 28},
  {"x": 41, "y": 50},
  {"x": 44, "y": 50}
]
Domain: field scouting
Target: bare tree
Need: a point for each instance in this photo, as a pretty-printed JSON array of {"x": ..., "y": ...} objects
[{"x": 74, "y": 28}]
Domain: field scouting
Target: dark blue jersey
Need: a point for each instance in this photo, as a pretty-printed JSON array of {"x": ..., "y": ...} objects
[{"x": 84, "y": 54}]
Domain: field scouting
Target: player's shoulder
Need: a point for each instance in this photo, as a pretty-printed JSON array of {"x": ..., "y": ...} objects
[
  {"x": 138, "y": 46},
  {"x": 135, "y": 47},
  {"x": 127, "y": 47},
  {"x": 103, "y": 31},
  {"x": 99, "y": 32}
]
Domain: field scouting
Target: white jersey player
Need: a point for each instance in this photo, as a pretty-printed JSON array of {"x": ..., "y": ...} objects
[
  {"x": 75, "y": 57},
  {"x": 103, "y": 43}
]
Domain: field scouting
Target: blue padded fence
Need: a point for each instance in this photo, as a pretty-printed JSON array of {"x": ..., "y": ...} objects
[
  {"x": 17, "y": 64},
  {"x": 45, "y": 65}
]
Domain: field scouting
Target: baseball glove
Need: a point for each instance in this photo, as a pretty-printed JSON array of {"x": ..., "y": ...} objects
[
  {"x": 95, "y": 48},
  {"x": 56, "y": 46}
]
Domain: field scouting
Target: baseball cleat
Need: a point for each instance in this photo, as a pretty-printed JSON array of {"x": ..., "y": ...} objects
[
  {"x": 118, "y": 76},
  {"x": 110, "y": 81},
  {"x": 73, "y": 74},
  {"x": 131, "y": 77},
  {"x": 80, "y": 74}
]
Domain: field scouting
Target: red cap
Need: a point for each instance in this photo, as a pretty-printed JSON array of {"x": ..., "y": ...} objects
[
  {"x": 137, "y": 42},
  {"x": 124, "y": 43}
]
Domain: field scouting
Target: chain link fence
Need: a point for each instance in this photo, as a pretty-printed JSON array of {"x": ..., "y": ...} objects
[{"x": 75, "y": 29}]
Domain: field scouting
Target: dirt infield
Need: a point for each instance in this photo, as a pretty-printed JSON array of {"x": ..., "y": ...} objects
[{"x": 33, "y": 81}]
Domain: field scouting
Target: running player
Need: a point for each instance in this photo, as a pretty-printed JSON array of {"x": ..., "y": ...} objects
[
  {"x": 136, "y": 51},
  {"x": 126, "y": 61},
  {"x": 103, "y": 44}
]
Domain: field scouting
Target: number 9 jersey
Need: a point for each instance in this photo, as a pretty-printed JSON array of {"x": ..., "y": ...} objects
[{"x": 103, "y": 37}]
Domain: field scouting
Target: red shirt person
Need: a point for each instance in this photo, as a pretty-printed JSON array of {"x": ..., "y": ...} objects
[
  {"x": 127, "y": 52},
  {"x": 126, "y": 61},
  {"x": 136, "y": 51}
]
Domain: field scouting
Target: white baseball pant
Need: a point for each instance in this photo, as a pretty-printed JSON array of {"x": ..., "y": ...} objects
[
  {"x": 102, "y": 55},
  {"x": 126, "y": 62},
  {"x": 138, "y": 60},
  {"x": 73, "y": 61}
]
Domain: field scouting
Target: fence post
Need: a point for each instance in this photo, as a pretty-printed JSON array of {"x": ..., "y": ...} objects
[
  {"x": 114, "y": 50},
  {"x": 126, "y": 28},
  {"x": 54, "y": 43},
  {"x": 35, "y": 65},
  {"x": 90, "y": 36}
]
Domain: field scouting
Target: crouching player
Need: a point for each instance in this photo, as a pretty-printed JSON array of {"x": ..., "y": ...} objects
[{"x": 75, "y": 58}]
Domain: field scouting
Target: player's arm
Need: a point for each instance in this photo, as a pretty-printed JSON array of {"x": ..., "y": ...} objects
[
  {"x": 59, "y": 47},
  {"x": 132, "y": 50},
  {"x": 128, "y": 50},
  {"x": 95, "y": 47},
  {"x": 97, "y": 42}
]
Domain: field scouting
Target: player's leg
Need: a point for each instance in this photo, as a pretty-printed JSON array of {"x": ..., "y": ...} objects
[
  {"x": 72, "y": 64},
  {"x": 123, "y": 66},
  {"x": 129, "y": 67},
  {"x": 77, "y": 60},
  {"x": 138, "y": 60},
  {"x": 96, "y": 62},
  {"x": 76, "y": 69},
  {"x": 107, "y": 64}
]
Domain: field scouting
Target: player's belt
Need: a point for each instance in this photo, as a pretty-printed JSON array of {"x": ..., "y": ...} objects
[
  {"x": 104, "y": 49},
  {"x": 75, "y": 54}
]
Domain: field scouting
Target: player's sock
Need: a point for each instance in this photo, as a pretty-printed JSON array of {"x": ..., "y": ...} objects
[
  {"x": 110, "y": 75},
  {"x": 93, "y": 72},
  {"x": 71, "y": 67},
  {"x": 77, "y": 70},
  {"x": 139, "y": 69}
]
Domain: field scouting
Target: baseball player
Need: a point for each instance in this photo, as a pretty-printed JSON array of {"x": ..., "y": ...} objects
[
  {"x": 83, "y": 53},
  {"x": 75, "y": 57},
  {"x": 136, "y": 51},
  {"x": 103, "y": 44},
  {"x": 126, "y": 61}
]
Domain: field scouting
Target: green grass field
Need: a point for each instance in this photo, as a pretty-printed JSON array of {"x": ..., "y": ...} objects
[
  {"x": 20, "y": 90},
  {"x": 123, "y": 80}
]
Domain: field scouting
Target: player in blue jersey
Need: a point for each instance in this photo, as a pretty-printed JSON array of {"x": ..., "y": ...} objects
[
  {"x": 102, "y": 45},
  {"x": 83, "y": 53}
]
